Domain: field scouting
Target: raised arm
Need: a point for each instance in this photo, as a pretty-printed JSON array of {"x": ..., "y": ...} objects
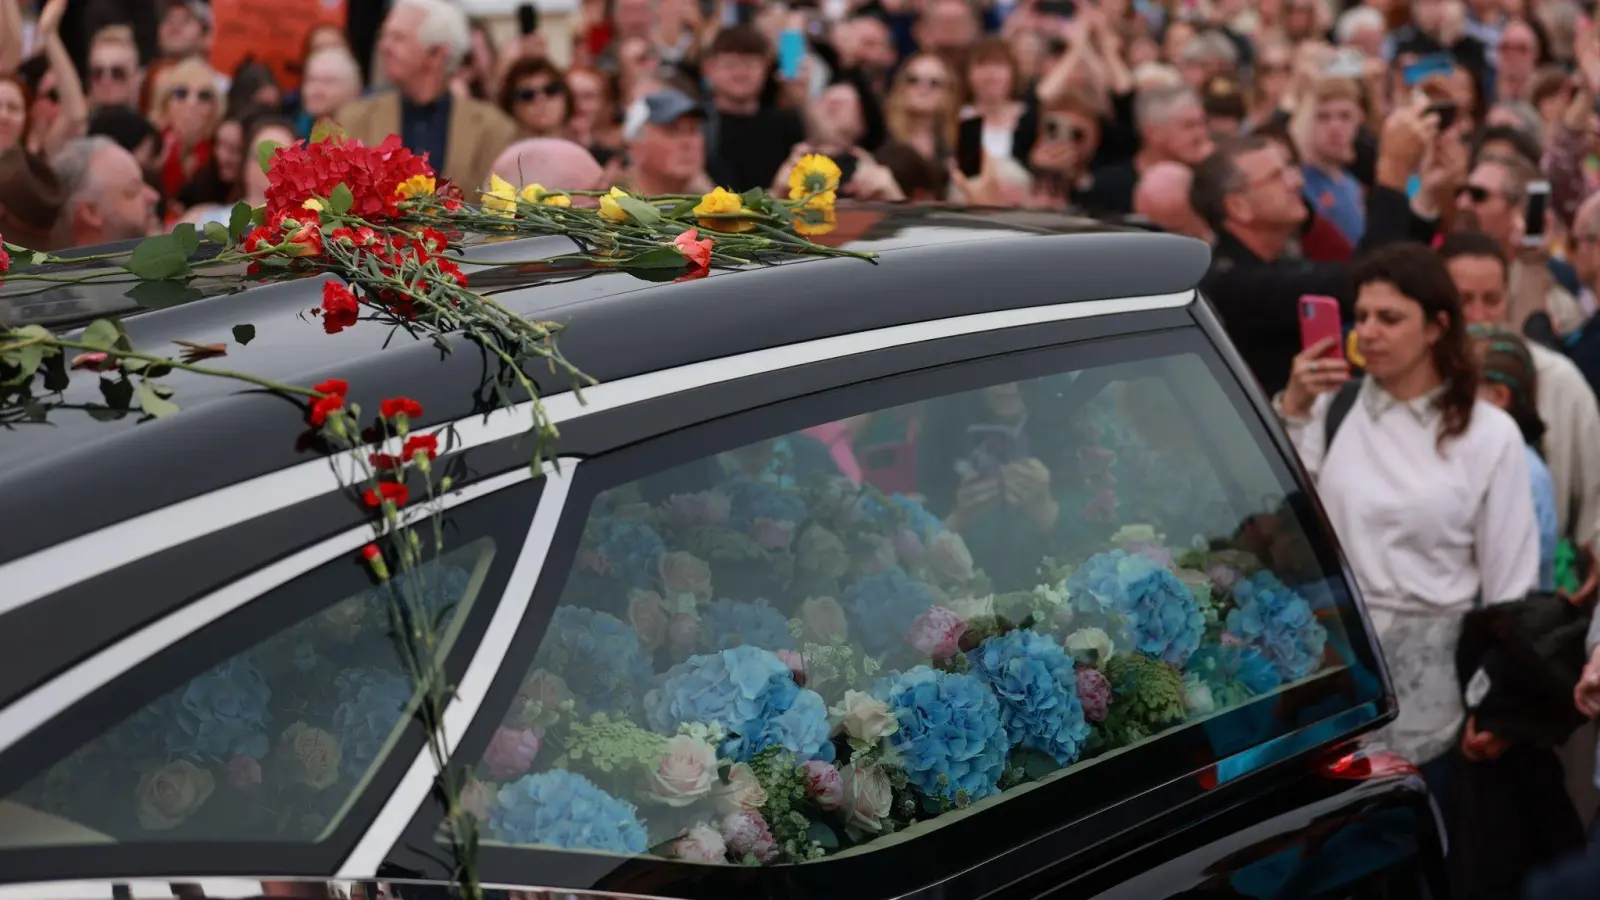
[
  {"x": 11, "y": 48},
  {"x": 74, "y": 117}
]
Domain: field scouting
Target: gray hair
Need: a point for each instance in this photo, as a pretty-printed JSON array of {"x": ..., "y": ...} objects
[
  {"x": 1210, "y": 46},
  {"x": 1158, "y": 104},
  {"x": 1528, "y": 118},
  {"x": 74, "y": 168},
  {"x": 1355, "y": 19},
  {"x": 352, "y": 69},
  {"x": 444, "y": 24}
]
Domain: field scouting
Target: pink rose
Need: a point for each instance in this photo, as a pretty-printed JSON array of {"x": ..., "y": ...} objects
[
  {"x": 772, "y": 534},
  {"x": 648, "y": 617},
  {"x": 687, "y": 772},
  {"x": 908, "y": 547},
  {"x": 683, "y": 632},
  {"x": 936, "y": 633},
  {"x": 704, "y": 508},
  {"x": 743, "y": 792},
  {"x": 244, "y": 771},
  {"x": 877, "y": 559},
  {"x": 511, "y": 752},
  {"x": 747, "y": 835},
  {"x": 702, "y": 843},
  {"x": 824, "y": 620},
  {"x": 685, "y": 573},
  {"x": 868, "y": 796},
  {"x": 823, "y": 784},
  {"x": 949, "y": 557},
  {"x": 796, "y": 664},
  {"x": 1094, "y": 692}
]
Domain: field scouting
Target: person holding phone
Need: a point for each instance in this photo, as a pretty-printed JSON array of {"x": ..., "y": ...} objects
[{"x": 1426, "y": 484}]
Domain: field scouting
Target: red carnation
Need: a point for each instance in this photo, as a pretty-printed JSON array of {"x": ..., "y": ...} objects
[
  {"x": 324, "y": 406},
  {"x": 420, "y": 443},
  {"x": 388, "y": 491},
  {"x": 399, "y": 406},
  {"x": 384, "y": 461},
  {"x": 371, "y": 552},
  {"x": 333, "y": 386},
  {"x": 5, "y": 260},
  {"x": 338, "y": 298}
]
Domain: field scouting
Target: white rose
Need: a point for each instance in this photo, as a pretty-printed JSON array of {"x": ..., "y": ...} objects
[
  {"x": 862, "y": 717},
  {"x": 1091, "y": 645},
  {"x": 687, "y": 772},
  {"x": 1197, "y": 699},
  {"x": 867, "y": 797}
]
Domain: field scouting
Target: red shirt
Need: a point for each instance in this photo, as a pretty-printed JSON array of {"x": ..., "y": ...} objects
[
  {"x": 172, "y": 176},
  {"x": 1322, "y": 242}
]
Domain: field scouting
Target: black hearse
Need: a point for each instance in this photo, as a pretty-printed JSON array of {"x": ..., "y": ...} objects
[{"x": 196, "y": 701}]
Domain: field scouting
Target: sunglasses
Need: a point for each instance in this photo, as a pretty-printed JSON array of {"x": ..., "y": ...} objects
[
  {"x": 920, "y": 81},
  {"x": 1478, "y": 194},
  {"x": 528, "y": 94},
  {"x": 108, "y": 73},
  {"x": 201, "y": 95},
  {"x": 53, "y": 95}
]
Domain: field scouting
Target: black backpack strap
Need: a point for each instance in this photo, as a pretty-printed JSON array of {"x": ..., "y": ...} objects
[{"x": 1337, "y": 410}]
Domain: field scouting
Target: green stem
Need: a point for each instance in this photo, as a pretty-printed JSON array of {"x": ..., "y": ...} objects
[{"x": 152, "y": 358}]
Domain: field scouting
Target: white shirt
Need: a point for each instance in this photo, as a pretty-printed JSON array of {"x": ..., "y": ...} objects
[
  {"x": 1425, "y": 534},
  {"x": 1571, "y": 442}
]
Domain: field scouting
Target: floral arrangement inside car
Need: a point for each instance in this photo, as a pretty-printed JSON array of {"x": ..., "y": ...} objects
[{"x": 769, "y": 673}]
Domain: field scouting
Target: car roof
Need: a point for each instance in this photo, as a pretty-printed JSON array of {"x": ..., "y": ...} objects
[{"x": 933, "y": 263}]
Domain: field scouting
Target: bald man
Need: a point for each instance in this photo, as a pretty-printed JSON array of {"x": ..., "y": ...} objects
[
  {"x": 1162, "y": 196},
  {"x": 556, "y": 164}
]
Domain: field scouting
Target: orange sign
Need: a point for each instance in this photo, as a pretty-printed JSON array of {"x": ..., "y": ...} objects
[{"x": 270, "y": 31}]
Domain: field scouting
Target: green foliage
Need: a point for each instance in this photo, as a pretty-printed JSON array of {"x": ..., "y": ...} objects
[
  {"x": 614, "y": 746},
  {"x": 1146, "y": 698},
  {"x": 341, "y": 200},
  {"x": 641, "y": 211},
  {"x": 244, "y": 334},
  {"x": 264, "y": 153},
  {"x": 785, "y": 785},
  {"x": 164, "y": 256}
]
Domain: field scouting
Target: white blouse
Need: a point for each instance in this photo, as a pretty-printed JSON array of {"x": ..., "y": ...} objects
[{"x": 1426, "y": 534}]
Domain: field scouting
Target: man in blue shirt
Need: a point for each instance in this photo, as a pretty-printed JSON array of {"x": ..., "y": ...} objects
[{"x": 1330, "y": 148}]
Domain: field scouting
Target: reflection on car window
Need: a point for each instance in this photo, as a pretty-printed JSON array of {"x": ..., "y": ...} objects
[
  {"x": 785, "y": 651},
  {"x": 270, "y": 745}
]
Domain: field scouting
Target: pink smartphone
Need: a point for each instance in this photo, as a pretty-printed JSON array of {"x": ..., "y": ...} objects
[{"x": 1319, "y": 319}]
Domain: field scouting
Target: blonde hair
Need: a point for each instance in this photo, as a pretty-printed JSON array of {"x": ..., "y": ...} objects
[
  {"x": 185, "y": 71},
  {"x": 894, "y": 106},
  {"x": 114, "y": 34}
]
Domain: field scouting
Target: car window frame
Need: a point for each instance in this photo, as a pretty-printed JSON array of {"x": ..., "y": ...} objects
[
  {"x": 514, "y": 497},
  {"x": 1179, "y": 775}
]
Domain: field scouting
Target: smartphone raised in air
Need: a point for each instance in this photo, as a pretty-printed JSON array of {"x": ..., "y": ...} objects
[
  {"x": 1533, "y": 213},
  {"x": 1319, "y": 319}
]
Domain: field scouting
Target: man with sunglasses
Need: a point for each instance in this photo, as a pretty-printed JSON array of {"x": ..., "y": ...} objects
[{"x": 115, "y": 75}]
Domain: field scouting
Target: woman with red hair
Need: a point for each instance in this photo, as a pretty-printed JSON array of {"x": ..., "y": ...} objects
[{"x": 43, "y": 138}]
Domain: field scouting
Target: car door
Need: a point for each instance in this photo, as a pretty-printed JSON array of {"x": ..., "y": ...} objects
[{"x": 1069, "y": 582}]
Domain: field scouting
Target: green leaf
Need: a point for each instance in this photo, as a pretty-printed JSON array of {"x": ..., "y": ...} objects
[
  {"x": 161, "y": 257},
  {"x": 117, "y": 391},
  {"x": 753, "y": 197},
  {"x": 244, "y": 334},
  {"x": 639, "y": 211},
  {"x": 188, "y": 238},
  {"x": 820, "y": 833},
  {"x": 660, "y": 258},
  {"x": 342, "y": 199},
  {"x": 101, "y": 334},
  {"x": 56, "y": 377},
  {"x": 162, "y": 294},
  {"x": 239, "y": 220},
  {"x": 258, "y": 215},
  {"x": 682, "y": 209},
  {"x": 152, "y": 403},
  {"x": 264, "y": 154},
  {"x": 217, "y": 233},
  {"x": 39, "y": 259}
]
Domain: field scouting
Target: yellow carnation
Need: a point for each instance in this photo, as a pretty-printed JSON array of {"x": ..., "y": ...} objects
[
  {"x": 610, "y": 209},
  {"x": 536, "y": 194},
  {"x": 416, "y": 186},
  {"x": 501, "y": 198},
  {"x": 812, "y": 221},
  {"x": 718, "y": 203},
  {"x": 814, "y": 179}
]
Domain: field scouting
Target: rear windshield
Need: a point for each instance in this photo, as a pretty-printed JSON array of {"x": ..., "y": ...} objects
[{"x": 854, "y": 634}]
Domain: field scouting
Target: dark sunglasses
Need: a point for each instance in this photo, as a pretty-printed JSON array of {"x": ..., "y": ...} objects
[
  {"x": 1275, "y": 68},
  {"x": 53, "y": 95},
  {"x": 202, "y": 95},
  {"x": 1478, "y": 194},
  {"x": 919, "y": 81},
  {"x": 553, "y": 89},
  {"x": 108, "y": 73}
]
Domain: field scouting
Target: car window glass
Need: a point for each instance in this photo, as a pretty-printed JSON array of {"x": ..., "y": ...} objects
[
  {"x": 272, "y": 744},
  {"x": 787, "y": 651}
]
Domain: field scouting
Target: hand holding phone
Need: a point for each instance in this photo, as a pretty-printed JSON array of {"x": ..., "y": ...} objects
[
  {"x": 791, "y": 53},
  {"x": 1319, "y": 321},
  {"x": 1534, "y": 213},
  {"x": 528, "y": 18}
]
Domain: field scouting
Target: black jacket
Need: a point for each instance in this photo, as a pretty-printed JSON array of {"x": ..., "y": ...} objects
[{"x": 1256, "y": 298}]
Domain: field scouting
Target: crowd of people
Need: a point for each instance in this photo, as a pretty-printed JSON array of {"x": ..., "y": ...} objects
[{"x": 1432, "y": 166}]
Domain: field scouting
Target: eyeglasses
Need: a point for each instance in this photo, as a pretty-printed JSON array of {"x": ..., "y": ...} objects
[
  {"x": 108, "y": 73},
  {"x": 934, "y": 81},
  {"x": 529, "y": 94},
  {"x": 53, "y": 95},
  {"x": 1474, "y": 192},
  {"x": 201, "y": 95}
]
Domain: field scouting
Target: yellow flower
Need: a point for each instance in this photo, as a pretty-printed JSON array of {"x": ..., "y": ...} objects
[
  {"x": 501, "y": 198},
  {"x": 722, "y": 202},
  {"x": 815, "y": 177},
  {"x": 609, "y": 209},
  {"x": 812, "y": 221},
  {"x": 313, "y": 204},
  {"x": 1352, "y": 351},
  {"x": 536, "y": 194},
  {"x": 416, "y": 186}
]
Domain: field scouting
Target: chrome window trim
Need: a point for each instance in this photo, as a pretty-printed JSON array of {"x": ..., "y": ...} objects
[
  {"x": 61, "y": 692},
  {"x": 42, "y": 573},
  {"x": 412, "y": 791}
]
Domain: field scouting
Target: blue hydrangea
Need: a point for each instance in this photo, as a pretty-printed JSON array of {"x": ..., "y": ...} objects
[
  {"x": 733, "y": 622},
  {"x": 598, "y": 656},
  {"x": 433, "y": 587},
  {"x": 222, "y": 714},
  {"x": 371, "y": 702},
  {"x": 1237, "y": 672},
  {"x": 1138, "y": 603},
  {"x": 883, "y": 606},
  {"x": 1037, "y": 686},
  {"x": 629, "y": 550},
  {"x": 899, "y": 511},
  {"x": 1271, "y": 617},
  {"x": 752, "y": 500},
  {"x": 562, "y": 809},
  {"x": 749, "y": 693},
  {"x": 950, "y": 738}
]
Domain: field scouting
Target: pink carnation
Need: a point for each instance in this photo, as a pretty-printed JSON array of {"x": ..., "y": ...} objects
[
  {"x": 747, "y": 835},
  {"x": 511, "y": 752},
  {"x": 796, "y": 664},
  {"x": 704, "y": 508},
  {"x": 244, "y": 771},
  {"x": 701, "y": 843},
  {"x": 936, "y": 633},
  {"x": 1094, "y": 692},
  {"x": 823, "y": 784}
]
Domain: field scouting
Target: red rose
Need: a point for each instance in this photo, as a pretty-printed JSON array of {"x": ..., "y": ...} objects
[
  {"x": 398, "y": 406},
  {"x": 420, "y": 443},
  {"x": 696, "y": 250},
  {"x": 388, "y": 491}
]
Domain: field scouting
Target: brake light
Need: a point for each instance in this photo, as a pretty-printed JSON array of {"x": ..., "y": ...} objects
[{"x": 1361, "y": 763}]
